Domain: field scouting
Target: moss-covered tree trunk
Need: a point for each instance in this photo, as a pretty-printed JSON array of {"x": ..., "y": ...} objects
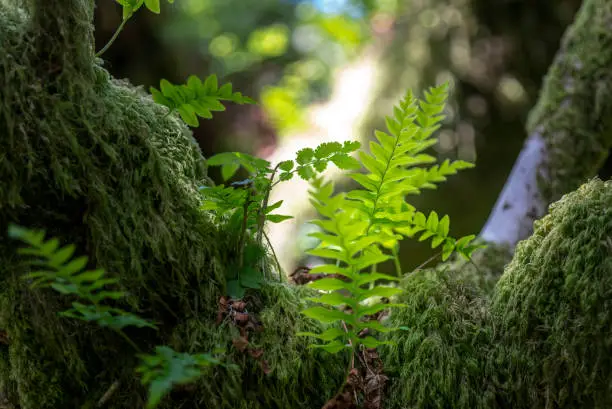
[{"x": 97, "y": 163}]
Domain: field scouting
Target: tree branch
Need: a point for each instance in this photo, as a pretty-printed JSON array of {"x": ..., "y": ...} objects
[{"x": 570, "y": 128}]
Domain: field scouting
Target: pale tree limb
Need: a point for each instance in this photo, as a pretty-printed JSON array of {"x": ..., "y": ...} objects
[{"x": 570, "y": 128}]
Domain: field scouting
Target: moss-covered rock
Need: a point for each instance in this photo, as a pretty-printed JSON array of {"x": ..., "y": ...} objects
[{"x": 553, "y": 307}]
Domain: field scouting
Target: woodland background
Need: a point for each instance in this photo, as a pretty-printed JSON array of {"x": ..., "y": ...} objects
[{"x": 289, "y": 55}]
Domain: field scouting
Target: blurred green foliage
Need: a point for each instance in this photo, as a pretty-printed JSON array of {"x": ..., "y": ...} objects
[{"x": 287, "y": 49}]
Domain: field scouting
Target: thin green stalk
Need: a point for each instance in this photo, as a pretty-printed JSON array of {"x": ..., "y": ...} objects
[
  {"x": 113, "y": 38},
  {"x": 398, "y": 267},
  {"x": 278, "y": 266},
  {"x": 129, "y": 341}
]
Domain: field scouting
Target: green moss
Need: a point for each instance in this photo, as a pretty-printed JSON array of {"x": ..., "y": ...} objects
[
  {"x": 554, "y": 310},
  {"x": 484, "y": 269},
  {"x": 574, "y": 111},
  {"x": 299, "y": 377},
  {"x": 439, "y": 360},
  {"x": 97, "y": 163}
]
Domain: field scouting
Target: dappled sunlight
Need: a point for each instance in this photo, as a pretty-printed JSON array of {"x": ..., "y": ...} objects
[{"x": 338, "y": 119}]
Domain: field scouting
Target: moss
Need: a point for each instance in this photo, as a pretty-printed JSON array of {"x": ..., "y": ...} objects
[
  {"x": 574, "y": 111},
  {"x": 439, "y": 360},
  {"x": 97, "y": 163},
  {"x": 553, "y": 307},
  {"x": 297, "y": 377},
  {"x": 484, "y": 269}
]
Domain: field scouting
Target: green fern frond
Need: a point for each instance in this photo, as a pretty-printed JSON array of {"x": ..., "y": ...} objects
[
  {"x": 358, "y": 228},
  {"x": 393, "y": 168},
  {"x": 58, "y": 270},
  {"x": 197, "y": 98},
  {"x": 344, "y": 238},
  {"x": 167, "y": 368}
]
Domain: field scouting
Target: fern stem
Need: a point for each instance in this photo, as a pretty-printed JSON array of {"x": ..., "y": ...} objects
[
  {"x": 423, "y": 264},
  {"x": 129, "y": 341},
  {"x": 278, "y": 266},
  {"x": 351, "y": 361},
  {"x": 113, "y": 38},
  {"x": 396, "y": 261}
]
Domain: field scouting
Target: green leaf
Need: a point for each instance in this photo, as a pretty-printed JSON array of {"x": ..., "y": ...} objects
[
  {"x": 234, "y": 289},
  {"x": 328, "y": 253},
  {"x": 306, "y": 172},
  {"x": 286, "y": 176},
  {"x": 373, "y": 309},
  {"x": 332, "y": 347},
  {"x": 195, "y": 98},
  {"x": 325, "y": 315},
  {"x": 304, "y": 156},
  {"x": 152, "y": 5},
  {"x": 250, "y": 278},
  {"x": 432, "y": 222},
  {"x": 63, "y": 255},
  {"x": 326, "y": 149},
  {"x": 166, "y": 368},
  {"x": 328, "y": 284},
  {"x": 277, "y": 218},
  {"x": 447, "y": 250},
  {"x": 227, "y": 171},
  {"x": 328, "y": 335},
  {"x": 188, "y": 115},
  {"x": 443, "y": 226},
  {"x": 211, "y": 83},
  {"x": 379, "y": 291},
  {"x": 371, "y": 342},
  {"x": 436, "y": 241},
  {"x": 333, "y": 299},
  {"x": 74, "y": 266},
  {"x": 286, "y": 165},
  {"x": 371, "y": 277},
  {"x": 345, "y": 162}
]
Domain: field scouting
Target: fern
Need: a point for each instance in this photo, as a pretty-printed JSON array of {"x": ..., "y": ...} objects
[
  {"x": 392, "y": 173},
  {"x": 361, "y": 226},
  {"x": 196, "y": 98},
  {"x": 244, "y": 204},
  {"x": 168, "y": 368},
  {"x": 346, "y": 240},
  {"x": 57, "y": 270}
]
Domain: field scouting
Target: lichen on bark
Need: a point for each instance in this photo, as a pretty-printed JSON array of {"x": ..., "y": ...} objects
[{"x": 574, "y": 112}]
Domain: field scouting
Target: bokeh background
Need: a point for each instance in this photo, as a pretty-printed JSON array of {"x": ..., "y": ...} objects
[{"x": 325, "y": 70}]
